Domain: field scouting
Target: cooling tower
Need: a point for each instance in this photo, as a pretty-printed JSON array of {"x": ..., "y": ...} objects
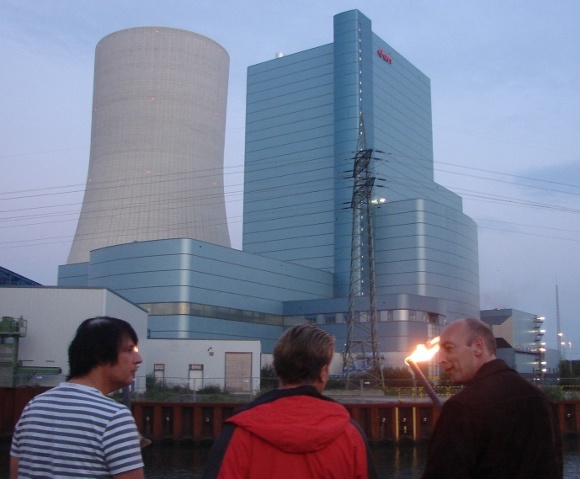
[{"x": 157, "y": 141}]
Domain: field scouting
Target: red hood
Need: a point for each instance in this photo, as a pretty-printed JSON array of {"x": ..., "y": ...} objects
[{"x": 297, "y": 424}]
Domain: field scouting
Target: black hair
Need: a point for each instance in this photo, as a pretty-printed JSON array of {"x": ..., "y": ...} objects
[{"x": 97, "y": 342}]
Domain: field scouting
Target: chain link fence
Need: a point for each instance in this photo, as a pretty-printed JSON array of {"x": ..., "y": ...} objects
[{"x": 368, "y": 389}]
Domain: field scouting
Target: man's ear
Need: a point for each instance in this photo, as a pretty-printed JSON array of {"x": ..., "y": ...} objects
[
  {"x": 478, "y": 346},
  {"x": 324, "y": 375}
]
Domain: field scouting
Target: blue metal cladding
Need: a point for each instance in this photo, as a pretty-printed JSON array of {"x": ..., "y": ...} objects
[
  {"x": 10, "y": 278},
  {"x": 353, "y": 95},
  {"x": 192, "y": 327},
  {"x": 424, "y": 244},
  {"x": 288, "y": 185},
  {"x": 187, "y": 270},
  {"x": 430, "y": 250}
]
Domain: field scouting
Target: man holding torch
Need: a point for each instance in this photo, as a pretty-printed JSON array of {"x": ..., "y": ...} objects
[{"x": 499, "y": 425}]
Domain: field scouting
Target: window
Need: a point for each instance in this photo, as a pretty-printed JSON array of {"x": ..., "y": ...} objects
[
  {"x": 159, "y": 372},
  {"x": 330, "y": 318},
  {"x": 195, "y": 376},
  {"x": 433, "y": 318}
]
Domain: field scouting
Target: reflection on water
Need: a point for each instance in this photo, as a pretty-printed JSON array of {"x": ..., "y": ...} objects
[
  {"x": 572, "y": 458},
  {"x": 181, "y": 461},
  {"x": 403, "y": 462},
  {"x": 177, "y": 461}
]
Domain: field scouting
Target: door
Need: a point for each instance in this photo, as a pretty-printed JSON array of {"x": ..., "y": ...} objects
[{"x": 238, "y": 372}]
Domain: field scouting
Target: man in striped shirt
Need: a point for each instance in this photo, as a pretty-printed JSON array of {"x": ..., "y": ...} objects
[{"x": 74, "y": 429}]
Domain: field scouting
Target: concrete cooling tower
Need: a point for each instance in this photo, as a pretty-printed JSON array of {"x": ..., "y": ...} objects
[{"x": 157, "y": 141}]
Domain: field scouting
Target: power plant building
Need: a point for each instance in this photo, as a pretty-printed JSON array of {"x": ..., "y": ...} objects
[
  {"x": 305, "y": 115},
  {"x": 302, "y": 128},
  {"x": 157, "y": 141}
]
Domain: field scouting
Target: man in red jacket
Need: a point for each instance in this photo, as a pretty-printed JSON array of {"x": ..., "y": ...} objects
[{"x": 293, "y": 431}]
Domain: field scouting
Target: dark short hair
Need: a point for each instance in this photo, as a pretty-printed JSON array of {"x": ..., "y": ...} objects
[
  {"x": 476, "y": 328},
  {"x": 96, "y": 342},
  {"x": 301, "y": 353}
]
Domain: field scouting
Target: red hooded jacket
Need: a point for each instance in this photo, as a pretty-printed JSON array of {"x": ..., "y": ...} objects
[{"x": 291, "y": 433}]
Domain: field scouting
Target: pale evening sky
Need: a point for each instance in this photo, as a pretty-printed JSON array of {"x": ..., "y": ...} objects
[{"x": 505, "y": 79}]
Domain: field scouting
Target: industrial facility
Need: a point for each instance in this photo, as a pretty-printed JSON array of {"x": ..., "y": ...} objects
[
  {"x": 303, "y": 259},
  {"x": 344, "y": 225}
]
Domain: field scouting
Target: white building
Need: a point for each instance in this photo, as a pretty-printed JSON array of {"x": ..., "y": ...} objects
[
  {"x": 230, "y": 365},
  {"x": 53, "y": 314}
]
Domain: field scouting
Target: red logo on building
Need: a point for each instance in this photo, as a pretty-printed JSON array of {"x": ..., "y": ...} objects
[{"x": 384, "y": 56}]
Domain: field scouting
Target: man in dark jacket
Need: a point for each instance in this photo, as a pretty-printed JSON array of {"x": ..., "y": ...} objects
[
  {"x": 499, "y": 425},
  {"x": 294, "y": 431}
]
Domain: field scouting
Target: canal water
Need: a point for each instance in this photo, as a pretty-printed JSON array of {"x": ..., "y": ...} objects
[
  {"x": 179, "y": 461},
  {"x": 401, "y": 462}
]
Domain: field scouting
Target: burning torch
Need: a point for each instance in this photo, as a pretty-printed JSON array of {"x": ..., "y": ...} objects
[{"x": 424, "y": 352}]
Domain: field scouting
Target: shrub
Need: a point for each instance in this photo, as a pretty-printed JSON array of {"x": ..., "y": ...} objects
[
  {"x": 210, "y": 389},
  {"x": 268, "y": 378}
]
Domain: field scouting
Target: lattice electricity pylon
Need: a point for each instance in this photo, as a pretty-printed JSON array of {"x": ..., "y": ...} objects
[{"x": 362, "y": 346}]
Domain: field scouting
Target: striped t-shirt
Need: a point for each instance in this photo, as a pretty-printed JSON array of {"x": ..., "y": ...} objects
[{"x": 74, "y": 430}]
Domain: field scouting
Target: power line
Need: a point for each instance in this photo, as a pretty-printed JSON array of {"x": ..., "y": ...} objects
[{"x": 235, "y": 192}]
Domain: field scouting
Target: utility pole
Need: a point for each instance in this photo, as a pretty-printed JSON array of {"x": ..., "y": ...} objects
[
  {"x": 558, "y": 330},
  {"x": 362, "y": 344}
]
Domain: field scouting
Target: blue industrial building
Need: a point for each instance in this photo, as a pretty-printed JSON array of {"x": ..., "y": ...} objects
[
  {"x": 10, "y": 278},
  {"x": 520, "y": 338},
  {"x": 303, "y": 124}
]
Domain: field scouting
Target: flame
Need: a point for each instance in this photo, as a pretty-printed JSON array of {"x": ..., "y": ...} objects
[{"x": 424, "y": 352}]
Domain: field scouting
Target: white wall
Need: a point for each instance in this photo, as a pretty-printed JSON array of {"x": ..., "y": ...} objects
[
  {"x": 54, "y": 314},
  {"x": 178, "y": 354}
]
